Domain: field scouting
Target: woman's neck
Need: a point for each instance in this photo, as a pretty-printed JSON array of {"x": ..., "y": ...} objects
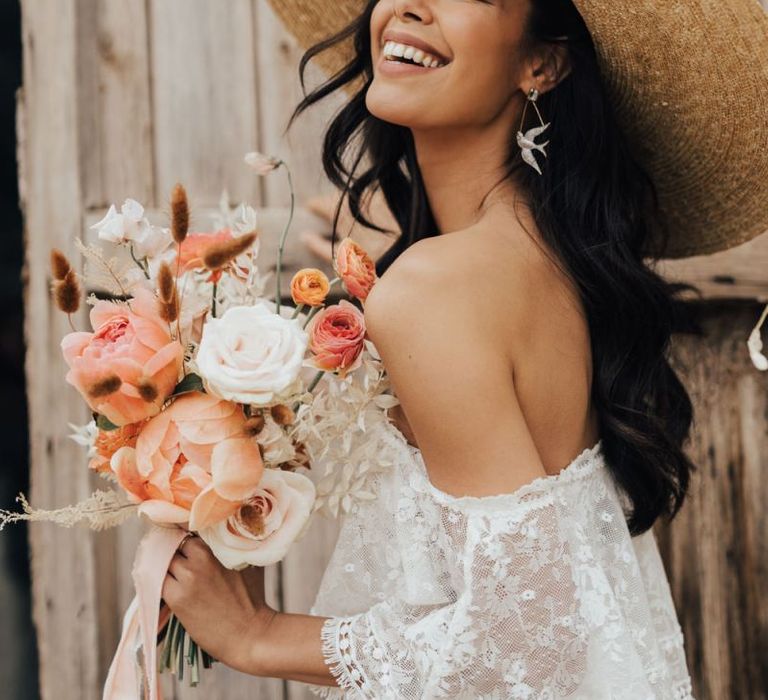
[{"x": 462, "y": 167}]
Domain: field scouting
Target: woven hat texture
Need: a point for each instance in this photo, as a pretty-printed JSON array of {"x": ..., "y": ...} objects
[{"x": 689, "y": 82}]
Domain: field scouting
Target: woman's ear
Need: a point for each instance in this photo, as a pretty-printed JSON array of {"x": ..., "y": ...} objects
[{"x": 550, "y": 65}]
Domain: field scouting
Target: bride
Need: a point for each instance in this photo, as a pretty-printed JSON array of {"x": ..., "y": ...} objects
[{"x": 509, "y": 551}]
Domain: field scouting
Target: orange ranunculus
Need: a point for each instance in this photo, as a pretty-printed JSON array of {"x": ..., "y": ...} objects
[
  {"x": 310, "y": 286},
  {"x": 336, "y": 338},
  {"x": 356, "y": 269},
  {"x": 110, "y": 441},
  {"x": 196, "y": 245},
  {"x": 198, "y": 441},
  {"x": 131, "y": 342}
]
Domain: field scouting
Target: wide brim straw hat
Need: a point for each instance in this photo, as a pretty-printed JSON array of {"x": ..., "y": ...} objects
[{"x": 689, "y": 82}]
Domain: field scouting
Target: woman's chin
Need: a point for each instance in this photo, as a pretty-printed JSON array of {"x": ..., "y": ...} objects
[{"x": 396, "y": 106}]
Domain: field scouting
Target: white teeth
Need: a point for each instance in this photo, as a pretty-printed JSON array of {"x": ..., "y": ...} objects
[{"x": 393, "y": 49}]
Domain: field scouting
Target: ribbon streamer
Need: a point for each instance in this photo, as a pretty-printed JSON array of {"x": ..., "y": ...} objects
[{"x": 127, "y": 680}]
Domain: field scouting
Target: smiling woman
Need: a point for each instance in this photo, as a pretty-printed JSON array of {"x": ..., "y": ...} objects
[{"x": 511, "y": 553}]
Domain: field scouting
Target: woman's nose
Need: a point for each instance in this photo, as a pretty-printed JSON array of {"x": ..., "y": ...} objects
[{"x": 410, "y": 10}]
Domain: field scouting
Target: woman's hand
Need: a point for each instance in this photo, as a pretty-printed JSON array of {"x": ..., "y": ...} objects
[{"x": 224, "y": 611}]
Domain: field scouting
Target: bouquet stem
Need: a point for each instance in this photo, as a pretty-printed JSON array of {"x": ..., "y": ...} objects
[
  {"x": 283, "y": 237},
  {"x": 180, "y": 650}
]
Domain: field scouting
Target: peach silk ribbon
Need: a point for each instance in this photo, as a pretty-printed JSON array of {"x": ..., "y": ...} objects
[{"x": 142, "y": 620}]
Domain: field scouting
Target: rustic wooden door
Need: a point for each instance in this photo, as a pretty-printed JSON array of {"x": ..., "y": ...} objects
[{"x": 122, "y": 98}]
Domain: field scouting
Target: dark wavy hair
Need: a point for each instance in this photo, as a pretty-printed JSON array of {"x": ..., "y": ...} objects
[{"x": 597, "y": 211}]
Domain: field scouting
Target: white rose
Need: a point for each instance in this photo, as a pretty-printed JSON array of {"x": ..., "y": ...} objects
[
  {"x": 251, "y": 355},
  {"x": 266, "y": 525}
]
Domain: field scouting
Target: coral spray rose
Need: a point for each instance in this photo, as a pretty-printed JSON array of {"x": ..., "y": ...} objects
[
  {"x": 132, "y": 347},
  {"x": 199, "y": 440},
  {"x": 310, "y": 286},
  {"x": 355, "y": 268},
  {"x": 337, "y": 338}
]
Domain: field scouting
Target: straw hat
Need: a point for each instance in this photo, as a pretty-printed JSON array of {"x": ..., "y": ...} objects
[{"x": 689, "y": 81}]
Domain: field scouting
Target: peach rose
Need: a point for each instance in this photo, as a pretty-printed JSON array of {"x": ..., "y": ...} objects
[
  {"x": 337, "y": 338},
  {"x": 310, "y": 286},
  {"x": 196, "y": 442},
  {"x": 133, "y": 343},
  {"x": 356, "y": 269},
  {"x": 260, "y": 530}
]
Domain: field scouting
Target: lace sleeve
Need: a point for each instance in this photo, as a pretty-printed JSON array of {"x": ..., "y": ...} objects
[{"x": 512, "y": 630}]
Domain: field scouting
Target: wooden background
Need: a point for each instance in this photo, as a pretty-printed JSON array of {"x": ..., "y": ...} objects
[{"x": 122, "y": 98}]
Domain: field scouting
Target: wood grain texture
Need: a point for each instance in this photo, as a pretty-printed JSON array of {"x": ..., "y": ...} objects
[
  {"x": 716, "y": 550},
  {"x": 66, "y": 600},
  {"x": 203, "y": 96},
  {"x": 114, "y": 102}
]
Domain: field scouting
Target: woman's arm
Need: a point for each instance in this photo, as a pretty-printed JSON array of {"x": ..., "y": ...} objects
[{"x": 226, "y": 613}]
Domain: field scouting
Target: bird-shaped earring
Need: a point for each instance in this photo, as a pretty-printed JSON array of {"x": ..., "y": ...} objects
[{"x": 526, "y": 140}]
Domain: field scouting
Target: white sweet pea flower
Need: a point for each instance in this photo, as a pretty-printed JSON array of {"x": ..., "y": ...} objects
[
  {"x": 755, "y": 344},
  {"x": 117, "y": 228},
  {"x": 261, "y": 163},
  {"x": 251, "y": 355},
  {"x": 150, "y": 241}
]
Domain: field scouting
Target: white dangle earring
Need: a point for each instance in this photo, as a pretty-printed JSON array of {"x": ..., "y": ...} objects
[{"x": 526, "y": 140}]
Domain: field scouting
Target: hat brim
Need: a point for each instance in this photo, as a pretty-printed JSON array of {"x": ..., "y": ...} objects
[{"x": 689, "y": 82}]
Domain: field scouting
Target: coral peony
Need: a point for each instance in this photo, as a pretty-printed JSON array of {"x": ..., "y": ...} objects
[
  {"x": 129, "y": 342},
  {"x": 199, "y": 440},
  {"x": 310, "y": 286},
  {"x": 356, "y": 269}
]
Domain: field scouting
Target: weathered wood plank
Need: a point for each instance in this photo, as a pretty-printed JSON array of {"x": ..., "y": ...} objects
[
  {"x": 738, "y": 273},
  {"x": 203, "y": 79},
  {"x": 66, "y": 599},
  {"x": 114, "y": 101},
  {"x": 716, "y": 550}
]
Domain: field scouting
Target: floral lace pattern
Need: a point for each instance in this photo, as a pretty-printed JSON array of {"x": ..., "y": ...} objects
[{"x": 538, "y": 594}]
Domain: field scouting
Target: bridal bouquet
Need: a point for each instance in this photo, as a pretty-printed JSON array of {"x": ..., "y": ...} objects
[{"x": 201, "y": 392}]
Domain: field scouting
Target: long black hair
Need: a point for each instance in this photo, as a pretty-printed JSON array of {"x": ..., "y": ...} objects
[{"x": 597, "y": 211}]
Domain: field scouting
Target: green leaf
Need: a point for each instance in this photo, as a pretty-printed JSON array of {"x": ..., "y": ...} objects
[
  {"x": 103, "y": 423},
  {"x": 192, "y": 382}
]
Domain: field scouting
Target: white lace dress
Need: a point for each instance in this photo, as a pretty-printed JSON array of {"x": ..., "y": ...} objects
[{"x": 538, "y": 595}]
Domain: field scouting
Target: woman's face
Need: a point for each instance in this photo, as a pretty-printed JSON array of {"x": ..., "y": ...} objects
[{"x": 478, "y": 40}]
